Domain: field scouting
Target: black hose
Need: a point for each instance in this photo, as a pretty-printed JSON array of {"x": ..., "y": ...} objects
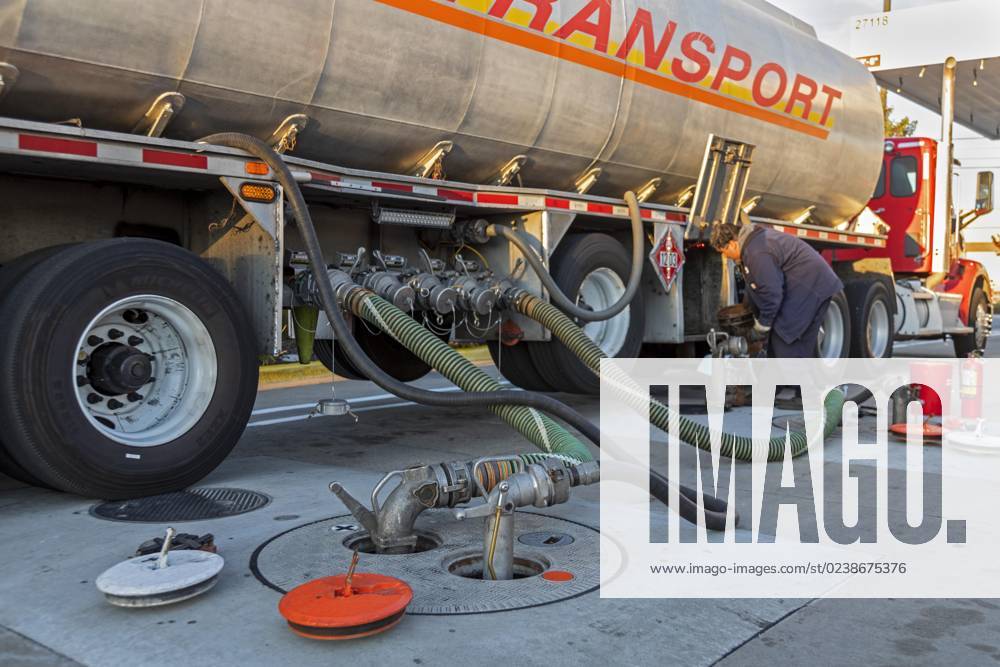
[
  {"x": 342, "y": 331},
  {"x": 658, "y": 485},
  {"x": 558, "y": 297}
]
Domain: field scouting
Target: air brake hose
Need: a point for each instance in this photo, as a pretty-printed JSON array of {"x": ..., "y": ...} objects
[
  {"x": 344, "y": 335},
  {"x": 735, "y": 446},
  {"x": 556, "y": 294}
]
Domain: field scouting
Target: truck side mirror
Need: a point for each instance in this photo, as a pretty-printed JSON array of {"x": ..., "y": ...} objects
[{"x": 984, "y": 193}]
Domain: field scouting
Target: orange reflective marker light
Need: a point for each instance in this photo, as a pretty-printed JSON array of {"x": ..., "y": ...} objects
[
  {"x": 346, "y": 606},
  {"x": 256, "y": 168},
  {"x": 557, "y": 575}
]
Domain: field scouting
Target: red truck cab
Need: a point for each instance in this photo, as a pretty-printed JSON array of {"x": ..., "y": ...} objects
[{"x": 906, "y": 199}]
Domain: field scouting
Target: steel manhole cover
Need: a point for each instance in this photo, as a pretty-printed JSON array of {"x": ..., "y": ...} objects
[
  {"x": 548, "y": 574},
  {"x": 189, "y": 505}
]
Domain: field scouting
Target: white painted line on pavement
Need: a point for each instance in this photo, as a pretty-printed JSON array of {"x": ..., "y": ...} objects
[
  {"x": 362, "y": 399},
  {"x": 352, "y": 401},
  {"x": 298, "y": 418}
]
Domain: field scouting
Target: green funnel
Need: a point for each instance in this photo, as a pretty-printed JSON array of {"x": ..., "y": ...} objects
[{"x": 305, "y": 319}]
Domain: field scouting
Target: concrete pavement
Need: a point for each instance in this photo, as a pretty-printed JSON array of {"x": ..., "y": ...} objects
[{"x": 53, "y": 550}]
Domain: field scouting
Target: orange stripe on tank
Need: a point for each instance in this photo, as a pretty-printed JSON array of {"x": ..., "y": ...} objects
[{"x": 558, "y": 49}]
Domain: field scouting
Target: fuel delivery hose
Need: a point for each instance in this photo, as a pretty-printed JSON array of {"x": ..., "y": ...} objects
[
  {"x": 547, "y": 435},
  {"x": 342, "y": 331},
  {"x": 565, "y": 303},
  {"x": 489, "y": 398},
  {"x": 734, "y": 446}
]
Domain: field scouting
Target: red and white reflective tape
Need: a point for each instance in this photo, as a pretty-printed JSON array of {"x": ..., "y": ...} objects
[
  {"x": 61, "y": 145},
  {"x": 495, "y": 199},
  {"x": 129, "y": 153},
  {"x": 132, "y": 152},
  {"x": 830, "y": 236}
]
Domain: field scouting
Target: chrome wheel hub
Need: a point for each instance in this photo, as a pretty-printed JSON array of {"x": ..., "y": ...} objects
[{"x": 145, "y": 370}]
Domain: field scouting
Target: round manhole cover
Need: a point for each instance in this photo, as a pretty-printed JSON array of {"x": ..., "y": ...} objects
[
  {"x": 438, "y": 575},
  {"x": 189, "y": 505},
  {"x": 545, "y": 539}
]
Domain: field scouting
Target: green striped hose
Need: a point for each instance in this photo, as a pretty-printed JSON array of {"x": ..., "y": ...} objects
[
  {"x": 699, "y": 435},
  {"x": 543, "y": 432}
]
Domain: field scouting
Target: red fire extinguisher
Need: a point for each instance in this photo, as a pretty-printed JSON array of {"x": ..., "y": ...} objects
[{"x": 970, "y": 389}]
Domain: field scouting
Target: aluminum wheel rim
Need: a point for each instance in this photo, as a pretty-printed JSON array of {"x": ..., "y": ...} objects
[
  {"x": 982, "y": 327},
  {"x": 601, "y": 289},
  {"x": 877, "y": 331},
  {"x": 184, "y": 371},
  {"x": 831, "y": 333}
]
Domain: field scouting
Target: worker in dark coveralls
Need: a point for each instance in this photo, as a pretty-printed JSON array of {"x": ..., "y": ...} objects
[{"x": 789, "y": 285}]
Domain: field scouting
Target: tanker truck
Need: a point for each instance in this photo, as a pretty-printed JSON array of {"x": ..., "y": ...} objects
[{"x": 446, "y": 154}]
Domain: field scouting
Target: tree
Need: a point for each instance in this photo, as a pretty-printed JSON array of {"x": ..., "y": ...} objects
[{"x": 902, "y": 127}]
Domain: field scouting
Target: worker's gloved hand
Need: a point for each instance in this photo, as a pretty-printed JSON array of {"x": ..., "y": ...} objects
[{"x": 760, "y": 331}]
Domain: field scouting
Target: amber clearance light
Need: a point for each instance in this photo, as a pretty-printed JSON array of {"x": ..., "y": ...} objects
[{"x": 263, "y": 193}]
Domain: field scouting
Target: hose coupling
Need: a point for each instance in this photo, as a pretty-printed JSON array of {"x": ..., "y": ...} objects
[
  {"x": 474, "y": 296},
  {"x": 542, "y": 484},
  {"x": 390, "y": 523},
  {"x": 306, "y": 291},
  {"x": 432, "y": 294},
  {"x": 390, "y": 288},
  {"x": 470, "y": 231}
]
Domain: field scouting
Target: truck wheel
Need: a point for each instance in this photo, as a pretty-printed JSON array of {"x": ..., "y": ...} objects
[
  {"x": 389, "y": 354},
  {"x": 872, "y": 323},
  {"x": 515, "y": 364},
  {"x": 10, "y": 276},
  {"x": 334, "y": 360},
  {"x": 835, "y": 331},
  {"x": 981, "y": 320},
  {"x": 129, "y": 369},
  {"x": 378, "y": 346},
  {"x": 594, "y": 268}
]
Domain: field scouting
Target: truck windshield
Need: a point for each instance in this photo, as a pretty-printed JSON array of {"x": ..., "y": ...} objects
[{"x": 904, "y": 176}]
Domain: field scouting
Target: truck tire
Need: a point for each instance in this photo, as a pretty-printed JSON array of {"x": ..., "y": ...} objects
[
  {"x": 872, "y": 322},
  {"x": 10, "y": 277},
  {"x": 380, "y": 347},
  {"x": 594, "y": 267},
  {"x": 835, "y": 333},
  {"x": 330, "y": 356},
  {"x": 389, "y": 354},
  {"x": 981, "y": 320},
  {"x": 515, "y": 364},
  {"x": 129, "y": 369}
]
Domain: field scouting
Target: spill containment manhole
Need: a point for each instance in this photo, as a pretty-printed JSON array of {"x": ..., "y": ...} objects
[
  {"x": 440, "y": 574},
  {"x": 190, "y": 505}
]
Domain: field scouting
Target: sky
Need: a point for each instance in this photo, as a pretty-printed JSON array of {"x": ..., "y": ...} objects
[{"x": 820, "y": 12}]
